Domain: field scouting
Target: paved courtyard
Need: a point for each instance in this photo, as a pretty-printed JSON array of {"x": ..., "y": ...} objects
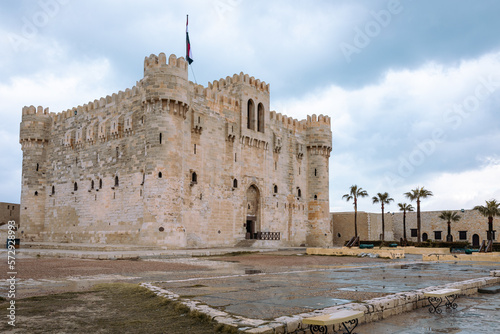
[{"x": 280, "y": 283}]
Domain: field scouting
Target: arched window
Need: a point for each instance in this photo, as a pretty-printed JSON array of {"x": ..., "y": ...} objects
[
  {"x": 75, "y": 186},
  {"x": 299, "y": 192},
  {"x": 250, "y": 115},
  {"x": 160, "y": 175},
  {"x": 91, "y": 184},
  {"x": 194, "y": 177},
  {"x": 116, "y": 181},
  {"x": 36, "y": 193},
  {"x": 37, "y": 167},
  {"x": 315, "y": 197},
  {"x": 315, "y": 172},
  {"x": 160, "y": 137},
  {"x": 235, "y": 183},
  {"x": 53, "y": 190},
  {"x": 275, "y": 189},
  {"x": 260, "y": 118},
  {"x": 100, "y": 183}
]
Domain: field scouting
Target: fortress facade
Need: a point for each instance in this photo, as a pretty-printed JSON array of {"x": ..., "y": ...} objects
[{"x": 174, "y": 164}]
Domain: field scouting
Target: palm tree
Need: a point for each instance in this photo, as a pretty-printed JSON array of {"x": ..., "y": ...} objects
[
  {"x": 416, "y": 195},
  {"x": 382, "y": 199},
  {"x": 353, "y": 194},
  {"x": 449, "y": 217},
  {"x": 490, "y": 210},
  {"x": 405, "y": 207}
]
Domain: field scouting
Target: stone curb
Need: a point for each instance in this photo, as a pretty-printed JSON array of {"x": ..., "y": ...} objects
[{"x": 375, "y": 309}]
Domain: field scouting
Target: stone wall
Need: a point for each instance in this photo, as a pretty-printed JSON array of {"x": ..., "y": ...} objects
[
  {"x": 175, "y": 164},
  {"x": 9, "y": 212},
  {"x": 370, "y": 226},
  {"x": 471, "y": 222}
]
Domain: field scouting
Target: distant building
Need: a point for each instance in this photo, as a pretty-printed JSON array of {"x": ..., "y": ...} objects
[
  {"x": 176, "y": 164},
  {"x": 9, "y": 212},
  {"x": 471, "y": 227}
]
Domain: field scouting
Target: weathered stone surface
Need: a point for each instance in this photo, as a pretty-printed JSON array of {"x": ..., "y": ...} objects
[{"x": 174, "y": 164}]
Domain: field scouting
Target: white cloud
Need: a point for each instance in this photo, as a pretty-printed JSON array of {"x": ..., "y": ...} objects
[
  {"x": 403, "y": 127},
  {"x": 69, "y": 85}
]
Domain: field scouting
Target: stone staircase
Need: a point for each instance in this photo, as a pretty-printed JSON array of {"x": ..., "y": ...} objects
[{"x": 245, "y": 243}]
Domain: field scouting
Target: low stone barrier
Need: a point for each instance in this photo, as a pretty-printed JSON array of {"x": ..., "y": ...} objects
[
  {"x": 423, "y": 250},
  {"x": 374, "y": 309},
  {"x": 385, "y": 252}
]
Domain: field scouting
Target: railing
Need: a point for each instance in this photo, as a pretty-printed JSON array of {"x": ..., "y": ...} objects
[
  {"x": 264, "y": 236},
  {"x": 268, "y": 235}
]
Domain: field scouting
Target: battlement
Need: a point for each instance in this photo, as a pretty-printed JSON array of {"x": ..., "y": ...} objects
[
  {"x": 31, "y": 110},
  {"x": 154, "y": 62},
  {"x": 314, "y": 120},
  {"x": 35, "y": 125},
  {"x": 288, "y": 122},
  {"x": 241, "y": 78},
  {"x": 103, "y": 102}
]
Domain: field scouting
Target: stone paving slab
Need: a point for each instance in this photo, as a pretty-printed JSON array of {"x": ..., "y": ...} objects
[{"x": 490, "y": 290}]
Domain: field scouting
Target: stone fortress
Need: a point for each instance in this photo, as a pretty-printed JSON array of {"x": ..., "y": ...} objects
[{"x": 174, "y": 164}]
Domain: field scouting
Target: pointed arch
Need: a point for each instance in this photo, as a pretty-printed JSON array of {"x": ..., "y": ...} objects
[
  {"x": 260, "y": 118},
  {"x": 250, "y": 115}
]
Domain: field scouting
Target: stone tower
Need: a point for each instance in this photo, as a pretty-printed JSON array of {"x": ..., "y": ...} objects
[
  {"x": 34, "y": 138},
  {"x": 319, "y": 146}
]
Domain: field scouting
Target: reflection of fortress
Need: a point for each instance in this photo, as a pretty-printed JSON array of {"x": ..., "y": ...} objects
[{"x": 176, "y": 164}]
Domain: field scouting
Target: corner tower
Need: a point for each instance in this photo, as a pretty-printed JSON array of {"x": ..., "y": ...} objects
[
  {"x": 319, "y": 146},
  {"x": 34, "y": 139},
  {"x": 166, "y": 105}
]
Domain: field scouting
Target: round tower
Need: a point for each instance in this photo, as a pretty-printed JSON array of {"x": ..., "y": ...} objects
[
  {"x": 319, "y": 146},
  {"x": 34, "y": 139},
  {"x": 167, "y": 115}
]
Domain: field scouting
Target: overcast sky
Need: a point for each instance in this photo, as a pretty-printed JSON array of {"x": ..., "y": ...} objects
[{"x": 412, "y": 87}]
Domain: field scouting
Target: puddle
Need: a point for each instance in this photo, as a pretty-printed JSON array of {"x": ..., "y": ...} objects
[{"x": 252, "y": 271}]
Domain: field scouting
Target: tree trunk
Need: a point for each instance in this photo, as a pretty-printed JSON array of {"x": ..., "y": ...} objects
[
  {"x": 404, "y": 225},
  {"x": 355, "y": 218},
  {"x": 419, "y": 239},
  {"x": 383, "y": 223},
  {"x": 448, "y": 237}
]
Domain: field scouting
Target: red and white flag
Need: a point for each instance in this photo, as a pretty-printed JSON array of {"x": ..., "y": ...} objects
[{"x": 189, "y": 54}]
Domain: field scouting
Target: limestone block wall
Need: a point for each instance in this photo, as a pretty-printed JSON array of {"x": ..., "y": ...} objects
[
  {"x": 471, "y": 222},
  {"x": 343, "y": 226}
]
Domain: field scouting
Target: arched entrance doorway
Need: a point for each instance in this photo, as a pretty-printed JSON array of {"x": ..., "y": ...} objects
[
  {"x": 425, "y": 237},
  {"x": 475, "y": 240},
  {"x": 252, "y": 216}
]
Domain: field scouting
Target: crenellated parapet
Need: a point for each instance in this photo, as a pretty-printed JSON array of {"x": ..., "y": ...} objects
[
  {"x": 165, "y": 81},
  {"x": 237, "y": 79},
  {"x": 154, "y": 63},
  {"x": 320, "y": 120},
  {"x": 319, "y": 135},
  {"x": 35, "y": 125},
  {"x": 288, "y": 122},
  {"x": 116, "y": 99}
]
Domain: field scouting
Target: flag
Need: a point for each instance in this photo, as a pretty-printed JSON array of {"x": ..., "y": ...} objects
[{"x": 189, "y": 55}]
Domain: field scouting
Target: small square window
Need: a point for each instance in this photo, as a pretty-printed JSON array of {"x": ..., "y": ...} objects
[
  {"x": 413, "y": 232},
  {"x": 462, "y": 235},
  {"x": 437, "y": 235}
]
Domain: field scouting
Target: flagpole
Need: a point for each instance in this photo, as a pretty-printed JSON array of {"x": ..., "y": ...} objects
[
  {"x": 189, "y": 56},
  {"x": 192, "y": 71}
]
